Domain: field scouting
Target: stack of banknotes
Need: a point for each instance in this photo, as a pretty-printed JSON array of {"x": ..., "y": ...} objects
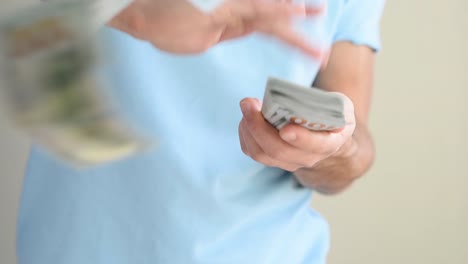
[
  {"x": 49, "y": 80},
  {"x": 315, "y": 109}
]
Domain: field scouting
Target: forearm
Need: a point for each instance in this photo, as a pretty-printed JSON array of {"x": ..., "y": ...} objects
[
  {"x": 350, "y": 71},
  {"x": 336, "y": 173}
]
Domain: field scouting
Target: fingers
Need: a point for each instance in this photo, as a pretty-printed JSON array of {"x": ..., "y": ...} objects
[
  {"x": 265, "y": 139},
  {"x": 262, "y": 132},
  {"x": 238, "y": 18},
  {"x": 323, "y": 143},
  {"x": 292, "y": 147},
  {"x": 280, "y": 9},
  {"x": 252, "y": 149},
  {"x": 286, "y": 34},
  {"x": 274, "y": 19},
  {"x": 274, "y": 9},
  {"x": 242, "y": 141}
]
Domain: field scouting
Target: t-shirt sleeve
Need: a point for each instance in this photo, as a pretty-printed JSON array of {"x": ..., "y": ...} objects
[{"x": 360, "y": 23}]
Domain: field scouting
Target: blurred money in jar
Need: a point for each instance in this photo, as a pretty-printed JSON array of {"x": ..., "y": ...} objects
[{"x": 48, "y": 74}]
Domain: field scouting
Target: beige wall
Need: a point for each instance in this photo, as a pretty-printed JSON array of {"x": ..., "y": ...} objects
[{"x": 411, "y": 207}]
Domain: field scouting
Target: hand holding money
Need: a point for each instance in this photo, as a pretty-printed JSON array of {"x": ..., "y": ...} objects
[
  {"x": 178, "y": 26},
  {"x": 295, "y": 145}
]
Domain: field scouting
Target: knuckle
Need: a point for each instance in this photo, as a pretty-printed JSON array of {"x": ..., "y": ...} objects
[
  {"x": 310, "y": 161},
  {"x": 259, "y": 156},
  {"x": 264, "y": 159},
  {"x": 244, "y": 149},
  {"x": 269, "y": 163},
  {"x": 330, "y": 150},
  {"x": 242, "y": 142},
  {"x": 292, "y": 168},
  {"x": 298, "y": 167},
  {"x": 276, "y": 154}
]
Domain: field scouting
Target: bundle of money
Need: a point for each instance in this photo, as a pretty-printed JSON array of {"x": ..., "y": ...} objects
[
  {"x": 49, "y": 73},
  {"x": 315, "y": 109}
]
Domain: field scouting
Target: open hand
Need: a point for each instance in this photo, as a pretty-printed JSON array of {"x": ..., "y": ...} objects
[{"x": 177, "y": 26}]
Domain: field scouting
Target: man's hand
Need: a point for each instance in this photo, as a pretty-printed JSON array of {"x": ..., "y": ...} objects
[
  {"x": 293, "y": 147},
  {"x": 327, "y": 162},
  {"x": 177, "y": 26}
]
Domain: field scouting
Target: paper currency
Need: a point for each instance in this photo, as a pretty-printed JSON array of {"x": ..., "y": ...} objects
[
  {"x": 312, "y": 108},
  {"x": 49, "y": 71}
]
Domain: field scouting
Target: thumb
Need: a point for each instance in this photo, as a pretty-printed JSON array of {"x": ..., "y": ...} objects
[{"x": 250, "y": 106}]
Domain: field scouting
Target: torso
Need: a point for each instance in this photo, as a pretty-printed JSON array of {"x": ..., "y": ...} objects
[{"x": 194, "y": 197}]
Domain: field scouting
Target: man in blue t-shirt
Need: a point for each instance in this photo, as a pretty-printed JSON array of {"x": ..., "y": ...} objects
[{"x": 221, "y": 185}]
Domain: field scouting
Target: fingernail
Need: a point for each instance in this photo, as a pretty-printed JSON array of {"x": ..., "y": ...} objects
[
  {"x": 246, "y": 108},
  {"x": 288, "y": 136}
]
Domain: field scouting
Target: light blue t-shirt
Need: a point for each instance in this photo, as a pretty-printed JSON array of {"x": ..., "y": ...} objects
[{"x": 195, "y": 197}]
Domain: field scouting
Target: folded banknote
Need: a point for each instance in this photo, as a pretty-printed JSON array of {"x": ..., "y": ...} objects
[{"x": 315, "y": 109}]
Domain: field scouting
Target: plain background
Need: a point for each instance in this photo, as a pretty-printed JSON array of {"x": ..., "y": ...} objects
[{"x": 411, "y": 207}]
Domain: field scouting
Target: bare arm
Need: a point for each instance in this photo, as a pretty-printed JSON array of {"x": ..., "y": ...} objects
[
  {"x": 350, "y": 71},
  {"x": 325, "y": 161}
]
